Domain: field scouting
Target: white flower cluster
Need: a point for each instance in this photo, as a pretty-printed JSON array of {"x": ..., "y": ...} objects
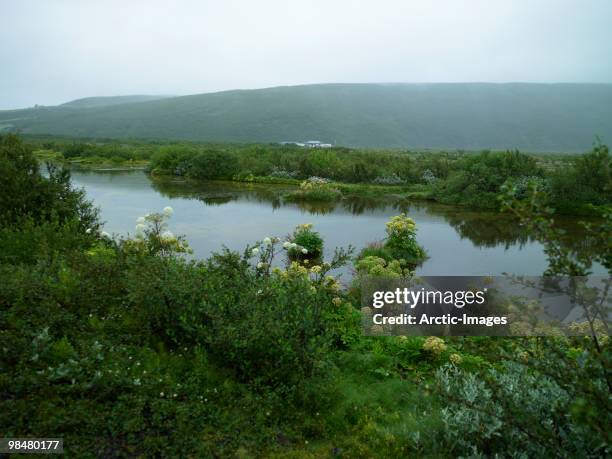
[
  {"x": 167, "y": 236},
  {"x": 267, "y": 242},
  {"x": 141, "y": 225},
  {"x": 293, "y": 246},
  {"x": 318, "y": 180},
  {"x": 103, "y": 234}
]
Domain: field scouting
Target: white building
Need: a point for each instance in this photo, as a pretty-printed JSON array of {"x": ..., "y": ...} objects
[
  {"x": 309, "y": 144},
  {"x": 317, "y": 144}
]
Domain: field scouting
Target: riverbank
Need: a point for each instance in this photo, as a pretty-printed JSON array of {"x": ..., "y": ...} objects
[
  {"x": 109, "y": 339},
  {"x": 577, "y": 185},
  {"x": 92, "y": 163},
  {"x": 213, "y": 213},
  {"x": 348, "y": 190}
]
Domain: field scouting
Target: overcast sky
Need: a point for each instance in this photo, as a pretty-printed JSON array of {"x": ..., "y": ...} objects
[{"x": 53, "y": 51}]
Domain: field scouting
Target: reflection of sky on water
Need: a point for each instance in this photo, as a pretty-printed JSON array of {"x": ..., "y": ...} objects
[{"x": 458, "y": 242}]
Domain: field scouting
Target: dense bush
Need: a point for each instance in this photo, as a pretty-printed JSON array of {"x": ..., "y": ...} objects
[
  {"x": 401, "y": 240},
  {"x": 580, "y": 184},
  {"x": 309, "y": 243},
  {"x": 542, "y": 400},
  {"x": 477, "y": 180},
  {"x": 211, "y": 164},
  {"x": 315, "y": 189},
  {"x": 587, "y": 180},
  {"x": 125, "y": 347},
  {"x": 27, "y": 194},
  {"x": 474, "y": 420},
  {"x": 173, "y": 159},
  {"x": 116, "y": 343}
]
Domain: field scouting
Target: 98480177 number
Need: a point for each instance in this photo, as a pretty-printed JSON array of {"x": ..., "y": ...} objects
[{"x": 31, "y": 445}]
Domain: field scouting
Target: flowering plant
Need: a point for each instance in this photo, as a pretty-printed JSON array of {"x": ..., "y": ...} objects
[
  {"x": 434, "y": 345},
  {"x": 401, "y": 239},
  {"x": 379, "y": 267},
  {"x": 304, "y": 243},
  {"x": 392, "y": 179},
  {"x": 153, "y": 236},
  {"x": 316, "y": 189}
]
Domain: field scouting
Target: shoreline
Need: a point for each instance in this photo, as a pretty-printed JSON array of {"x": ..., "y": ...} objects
[{"x": 412, "y": 192}]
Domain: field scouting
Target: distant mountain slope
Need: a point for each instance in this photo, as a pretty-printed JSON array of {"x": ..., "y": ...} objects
[
  {"x": 535, "y": 117},
  {"x": 89, "y": 102}
]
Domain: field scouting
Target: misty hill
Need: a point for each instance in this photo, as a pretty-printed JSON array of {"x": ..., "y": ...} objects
[
  {"x": 532, "y": 117},
  {"x": 89, "y": 102}
]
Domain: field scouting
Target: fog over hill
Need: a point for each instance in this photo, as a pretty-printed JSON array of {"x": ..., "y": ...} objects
[
  {"x": 89, "y": 102},
  {"x": 530, "y": 117}
]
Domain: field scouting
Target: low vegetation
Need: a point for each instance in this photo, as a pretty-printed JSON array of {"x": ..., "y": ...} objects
[
  {"x": 575, "y": 184},
  {"x": 125, "y": 347}
]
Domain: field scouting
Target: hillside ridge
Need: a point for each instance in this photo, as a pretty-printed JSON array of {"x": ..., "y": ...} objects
[{"x": 562, "y": 117}]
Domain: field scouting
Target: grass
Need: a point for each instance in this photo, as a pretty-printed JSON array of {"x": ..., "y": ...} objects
[
  {"x": 92, "y": 162},
  {"x": 378, "y": 414},
  {"x": 471, "y": 181},
  {"x": 417, "y": 192}
]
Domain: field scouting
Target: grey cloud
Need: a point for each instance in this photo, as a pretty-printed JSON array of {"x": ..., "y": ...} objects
[{"x": 55, "y": 51}]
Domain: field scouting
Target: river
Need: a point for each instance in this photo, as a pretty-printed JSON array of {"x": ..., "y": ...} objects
[{"x": 213, "y": 214}]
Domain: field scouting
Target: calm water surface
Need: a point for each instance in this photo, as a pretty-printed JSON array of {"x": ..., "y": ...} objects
[{"x": 210, "y": 215}]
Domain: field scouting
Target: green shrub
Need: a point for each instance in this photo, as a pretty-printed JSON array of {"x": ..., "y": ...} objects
[
  {"x": 124, "y": 347},
  {"x": 212, "y": 164},
  {"x": 401, "y": 240},
  {"x": 26, "y": 193},
  {"x": 462, "y": 178},
  {"x": 75, "y": 150},
  {"x": 375, "y": 249},
  {"x": 476, "y": 180},
  {"x": 305, "y": 238},
  {"x": 315, "y": 189},
  {"x": 588, "y": 179},
  {"x": 512, "y": 410}
]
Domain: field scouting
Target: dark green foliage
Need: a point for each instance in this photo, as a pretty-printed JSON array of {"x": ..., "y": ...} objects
[
  {"x": 578, "y": 184},
  {"x": 175, "y": 159},
  {"x": 116, "y": 345},
  {"x": 587, "y": 180},
  {"x": 548, "y": 394},
  {"x": 75, "y": 150},
  {"x": 124, "y": 348},
  {"x": 198, "y": 163},
  {"x": 27, "y": 194},
  {"x": 211, "y": 164},
  {"x": 311, "y": 241},
  {"x": 375, "y": 249},
  {"x": 270, "y": 333},
  {"x": 477, "y": 180},
  {"x": 305, "y": 238}
]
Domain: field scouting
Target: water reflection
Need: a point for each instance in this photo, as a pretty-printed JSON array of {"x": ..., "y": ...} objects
[
  {"x": 219, "y": 191},
  {"x": 213, "y": 214},
  {"x": 486, "y": 229},
  {"x": 483, "y": 229}
]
